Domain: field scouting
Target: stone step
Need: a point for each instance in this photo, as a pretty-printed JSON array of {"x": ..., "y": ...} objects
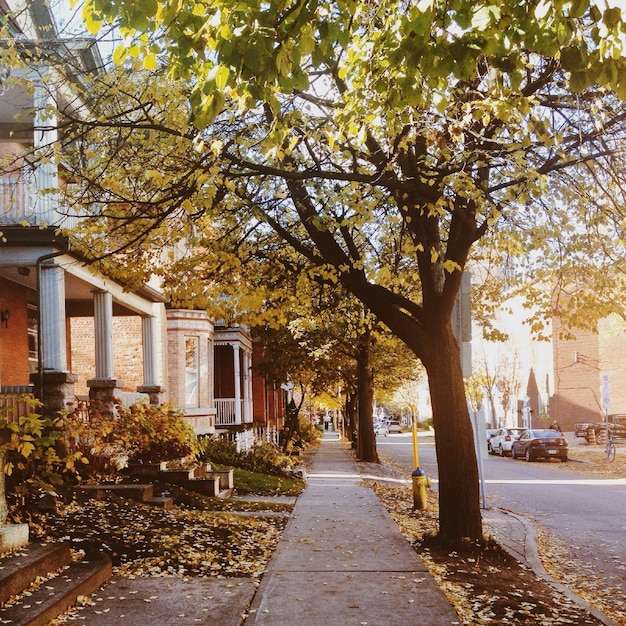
[
  {"x": 56, "y": 595},
  {"x": 209, "y": 486},
  {"x": 135, "y": 491},
  {"x": 20, "y": 569},
  {"x": 163, "y": 502}
]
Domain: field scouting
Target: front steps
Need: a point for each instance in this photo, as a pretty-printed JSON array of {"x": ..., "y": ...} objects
[
  {"x": 133, "y": 491},
  {"x": 39, "y": 582},
  {"x": 203, "y": 480}
]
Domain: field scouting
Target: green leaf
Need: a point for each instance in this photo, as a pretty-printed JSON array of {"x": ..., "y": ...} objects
[
  {"x": 221, "y": 76},
  {"x": 482, "y": 19},
  {"x": 574, "y": 58},
  {"x": 612, "y": 17},
  {"x": 578, "y": 8},
  {"x": 579, "y": 81}
]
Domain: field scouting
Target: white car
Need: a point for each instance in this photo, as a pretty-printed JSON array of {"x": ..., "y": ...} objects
[
  {"x": 394, "y": 426},
  {"x": 502, "y": 440},
  {"x": 381, "y": 429}
]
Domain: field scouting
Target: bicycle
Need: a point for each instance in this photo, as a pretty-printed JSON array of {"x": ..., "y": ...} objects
[{"x": 610, "y": 448}]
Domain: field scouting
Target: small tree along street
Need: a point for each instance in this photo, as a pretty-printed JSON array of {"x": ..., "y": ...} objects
[{"x": 388, "y": 144}]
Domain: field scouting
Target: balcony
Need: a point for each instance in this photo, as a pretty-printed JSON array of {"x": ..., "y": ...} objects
[{"x": 20, "y": 202}]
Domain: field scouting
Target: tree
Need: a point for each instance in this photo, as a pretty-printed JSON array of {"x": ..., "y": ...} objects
[{"x": 385, "y": 143}]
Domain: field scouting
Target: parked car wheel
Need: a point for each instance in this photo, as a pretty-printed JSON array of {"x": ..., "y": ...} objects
[
  {"x": 501, "y": 451},
  {"x": 529, "y": 457},
  {"x": 513, "y": 455}
]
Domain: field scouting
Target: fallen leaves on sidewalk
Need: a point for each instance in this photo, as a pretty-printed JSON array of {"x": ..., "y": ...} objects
[{"x": 483, "y": 583}]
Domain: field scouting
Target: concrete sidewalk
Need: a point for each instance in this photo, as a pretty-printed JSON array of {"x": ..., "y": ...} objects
[{"x": 343, "y": 561}]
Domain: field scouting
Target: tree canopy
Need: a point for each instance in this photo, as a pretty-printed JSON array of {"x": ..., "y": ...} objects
[{"x": 387, "y": 144}]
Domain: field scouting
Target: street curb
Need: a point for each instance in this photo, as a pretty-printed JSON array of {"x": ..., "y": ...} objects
[{"x": 534, "y": 562}]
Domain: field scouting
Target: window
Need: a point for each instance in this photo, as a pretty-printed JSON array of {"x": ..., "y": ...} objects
[
  {"x": 33, "y": 336},
  {"x": 191, "y": 371}
]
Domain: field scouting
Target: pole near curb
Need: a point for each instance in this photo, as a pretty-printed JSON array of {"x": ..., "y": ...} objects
[{"x": 419, "y": 478}]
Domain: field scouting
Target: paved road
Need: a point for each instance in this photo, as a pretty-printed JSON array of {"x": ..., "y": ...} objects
[{"x": 583, "y": 512}]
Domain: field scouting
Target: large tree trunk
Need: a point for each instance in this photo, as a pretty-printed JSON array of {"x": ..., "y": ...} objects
[
  {"x": 459, "y": 502},
  {"x": 366, "y": 441},
  {"x": 351, "y": 425}
]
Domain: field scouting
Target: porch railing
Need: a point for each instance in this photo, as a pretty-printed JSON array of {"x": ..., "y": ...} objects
[
  {"x": 20, "y": 202},
  {"x": 226, "y": 412},
  {"x": 16, "y": 401}
]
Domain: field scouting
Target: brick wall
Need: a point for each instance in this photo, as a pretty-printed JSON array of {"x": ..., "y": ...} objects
[
  {"x": 14, "y": 364},
  {"x": 183, "y": 325},
  {"x": 127, "y": 352},
  {"x": 577, "y": 368}
]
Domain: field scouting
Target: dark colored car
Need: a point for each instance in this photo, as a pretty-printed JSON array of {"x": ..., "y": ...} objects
[{"x": 540, "y": 444}]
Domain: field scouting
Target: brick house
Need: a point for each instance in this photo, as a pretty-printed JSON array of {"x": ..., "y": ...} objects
[
  {"x": 552, "y": 378},
  {"x": 69, "y": 333}
]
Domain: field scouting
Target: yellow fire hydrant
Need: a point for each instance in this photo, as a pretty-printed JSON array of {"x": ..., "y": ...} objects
[{"x": 421, "y": 482}]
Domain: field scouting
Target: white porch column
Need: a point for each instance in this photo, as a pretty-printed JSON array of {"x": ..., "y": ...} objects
[
  {"x": 237, "y": 369},
  {"x": 247, "y": 388},
  {"x": 150, "y": 364},
  {"x": 151, "y": 383},
  {"x": 53, "y": 383},
  {"x": 52, "y": 312},
  {"x": 103, "y": 325}
]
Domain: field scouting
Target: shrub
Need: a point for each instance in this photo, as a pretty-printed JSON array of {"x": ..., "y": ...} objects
[
  {"x": 151, "y": 434},
  {"x": 265, "y": 457},
  {"x": 141, "y": 433},
  {"x": 35, "y": 457}
]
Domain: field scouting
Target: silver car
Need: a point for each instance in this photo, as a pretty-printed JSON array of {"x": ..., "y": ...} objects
[{"x": 502, "y": 440}]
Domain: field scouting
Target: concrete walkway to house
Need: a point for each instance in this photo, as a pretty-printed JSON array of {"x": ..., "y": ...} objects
[{"x": 342, "y": 559}]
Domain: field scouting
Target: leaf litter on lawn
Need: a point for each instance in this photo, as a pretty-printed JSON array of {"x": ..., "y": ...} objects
[{"x": 148, "y": 541}]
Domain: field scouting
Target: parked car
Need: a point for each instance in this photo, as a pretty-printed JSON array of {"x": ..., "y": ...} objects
[
  {"x": 540, "y": 444},
  {"x": 502, "y": 440},
  {"x": 580, "y": 429},
  {"x": 490, "y": 433},
  {"x": 394, "y": 426},
  {"x": 381, "y": 429}
]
